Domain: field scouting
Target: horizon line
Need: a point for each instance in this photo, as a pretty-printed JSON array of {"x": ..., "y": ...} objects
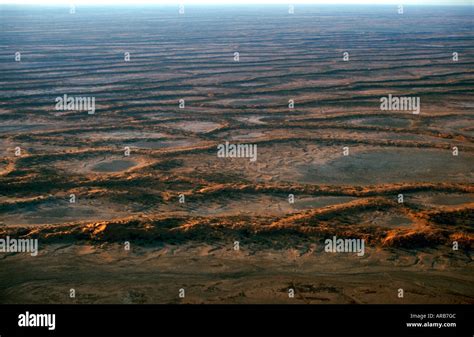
[{"x": 217, "y": 3}]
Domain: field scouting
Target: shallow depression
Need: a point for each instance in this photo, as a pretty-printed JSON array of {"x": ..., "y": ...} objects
[
  {"x": 115, "y": 165},
  {"x": 391, "y": 166}
]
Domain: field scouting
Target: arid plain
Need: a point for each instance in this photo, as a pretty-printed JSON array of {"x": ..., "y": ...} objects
[{"x": 191, "y": 245}]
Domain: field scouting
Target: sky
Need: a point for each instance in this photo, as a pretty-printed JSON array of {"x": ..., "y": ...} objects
[{"x": 231, "y": 2}]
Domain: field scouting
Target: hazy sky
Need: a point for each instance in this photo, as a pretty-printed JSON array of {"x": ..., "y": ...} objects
[{"x": 230, "y": 2}]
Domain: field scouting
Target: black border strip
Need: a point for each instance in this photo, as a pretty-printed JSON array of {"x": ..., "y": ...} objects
[{"x": 237, "y": 320}]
